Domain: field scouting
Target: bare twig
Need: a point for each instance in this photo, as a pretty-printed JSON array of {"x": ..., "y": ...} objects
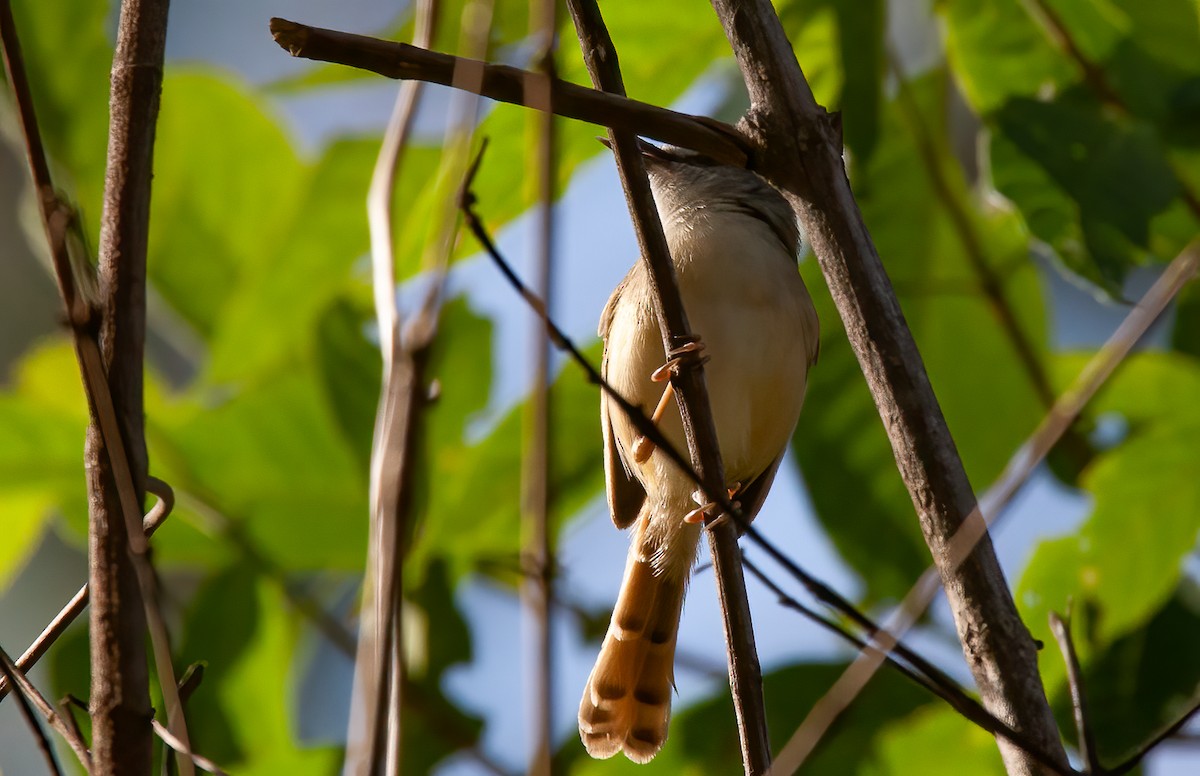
[
  {"x": 745, "y": 674},
  {"x": 154, "y": 518},
  {"x": 798, "y": 148},
  {"x": 198, "y": 760},
  {"x": 29, "y": 694},
  {"x": 507, "y": 84},
  {"x": 7, "y": 667},
  {"x": 379, "y": 664},
  {"x": 537, "y": 588},
  {"x": 1087, "y": 742},
  {"x": 1149, "y": 746}
]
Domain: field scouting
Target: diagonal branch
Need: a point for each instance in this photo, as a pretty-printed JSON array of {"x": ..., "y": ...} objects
[
  {"x": 507, "y": 84},
  {"x": 798, "y": 149}
]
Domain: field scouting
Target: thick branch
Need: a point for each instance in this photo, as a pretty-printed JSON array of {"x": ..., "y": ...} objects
[
  {"x": 798, "y": 149},
  {"x": 507, "y": 84},
  {"x": 745, "y": 675}
]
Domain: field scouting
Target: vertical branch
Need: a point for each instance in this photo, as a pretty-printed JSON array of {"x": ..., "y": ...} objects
[
  {"x": 376, "y": 737},
  {"x": 537, "y": 581},
  {"x": 799, "y": 150},
  {"x": 119, "y": 571},
  {"x": 1087, "y": 742},
  {"x": 745, "y": 675}
]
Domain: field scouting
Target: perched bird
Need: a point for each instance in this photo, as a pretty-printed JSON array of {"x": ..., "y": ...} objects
[{"x": 734, "y": 243}]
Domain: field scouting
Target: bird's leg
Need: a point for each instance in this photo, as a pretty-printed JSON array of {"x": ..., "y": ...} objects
[
  {"x": 676, "y": 357},
  {"x": 697, "y": 515}
]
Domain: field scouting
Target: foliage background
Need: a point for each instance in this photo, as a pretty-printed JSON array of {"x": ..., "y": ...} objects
[{"x": 999, "y": 182}]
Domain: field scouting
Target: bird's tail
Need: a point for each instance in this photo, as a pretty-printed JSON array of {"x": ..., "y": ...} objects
[{"x": 627, "y": 701}]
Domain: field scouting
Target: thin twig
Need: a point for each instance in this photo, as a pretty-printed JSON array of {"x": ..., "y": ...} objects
[
  {"x": 378, "y": 669},
  {"x": 198, "y": 760},
  {"x": 1087, "y": 742},
  {"x": 7, "y": 667},
  {"x": 537, "y": 458},
  {"x": 1149, "y": 746},
  {"x": 506, "y": 84},
  {"x": 29, "y": 693},
  {"x": 154, "y": 518},
  {"x": 691, "y": 391}
]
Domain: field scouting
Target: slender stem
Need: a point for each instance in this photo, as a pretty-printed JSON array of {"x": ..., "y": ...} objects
[
  {"x": 30, "y": 694},
  {"x": 1163, "y": 735},
  {"x": 1087, "y": 741},
  {"x": 537, "y": 586},
  {"x": 745, "y": 674},
  {"x": 378, "y": 667},
  {"x": 507, "y": 84},
  {"x": 8, "y": 669}
]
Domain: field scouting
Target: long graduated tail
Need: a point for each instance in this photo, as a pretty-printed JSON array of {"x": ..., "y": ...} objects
[{"x": 627, "y": 701}]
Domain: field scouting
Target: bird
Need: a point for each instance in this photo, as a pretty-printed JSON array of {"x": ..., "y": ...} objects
[{"x": 734, "y": 243}]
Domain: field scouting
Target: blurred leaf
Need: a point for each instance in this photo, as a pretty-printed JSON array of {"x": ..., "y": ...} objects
[
  {"x": 241, "y": 625},
  {"x": 350, "y": 372},
  {"x": 840, "y": 46},
  {"x": 935, "y": 240},
  {"x": 1143, "y": 681},
  {"x": 1186, "y": 336},
  {"x": 226, "y": 186},
  {"x": 270, "y": 457},
  {"x": 1088, "y": 183},
  {"x": 474, "y": 498},
  {"x": 906, "y": 746},
  {"x": 43, "y": 420},
  {"x": 436, "y": 728},
  {"x": 1125, "y": 560},
  {"x": 272, "y": 314},
  {"x": 997, "y": 51},
  {"x": 703, "y": 738},
  {"x": 68, "y": 66}
]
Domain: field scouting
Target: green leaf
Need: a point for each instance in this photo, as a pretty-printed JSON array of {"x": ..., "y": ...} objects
[
  {"x": 1125, "y": 560},
  {"x": 437, "y": 638},
  {"x": 905, "y": 747},
  {"x": 242, "y": 627},
  {"x": 226, "y": 187},
  {"x": 272, "y": 313},
  {"x": 350, "y": 372},
  {"x": 43, "y": 420},
  {"x": 997, "y": 52},
  {"x": 271, "y": 458},
  {"x": 474, "y": 488},
  {"x": 1089, "y": 184},
  {"x": 840, "y": 46},
  {"x": 70, "y": 91}
]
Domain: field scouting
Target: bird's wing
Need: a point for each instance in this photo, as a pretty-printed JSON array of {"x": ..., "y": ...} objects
[
  {"x": 752, "y": 495},
  {"x": 624, "y": 491}
]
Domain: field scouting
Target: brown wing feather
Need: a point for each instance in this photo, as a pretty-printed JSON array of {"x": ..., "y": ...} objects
[
  {"x": 625, "y": 493},
  {"x": 752, "y": 495}
]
